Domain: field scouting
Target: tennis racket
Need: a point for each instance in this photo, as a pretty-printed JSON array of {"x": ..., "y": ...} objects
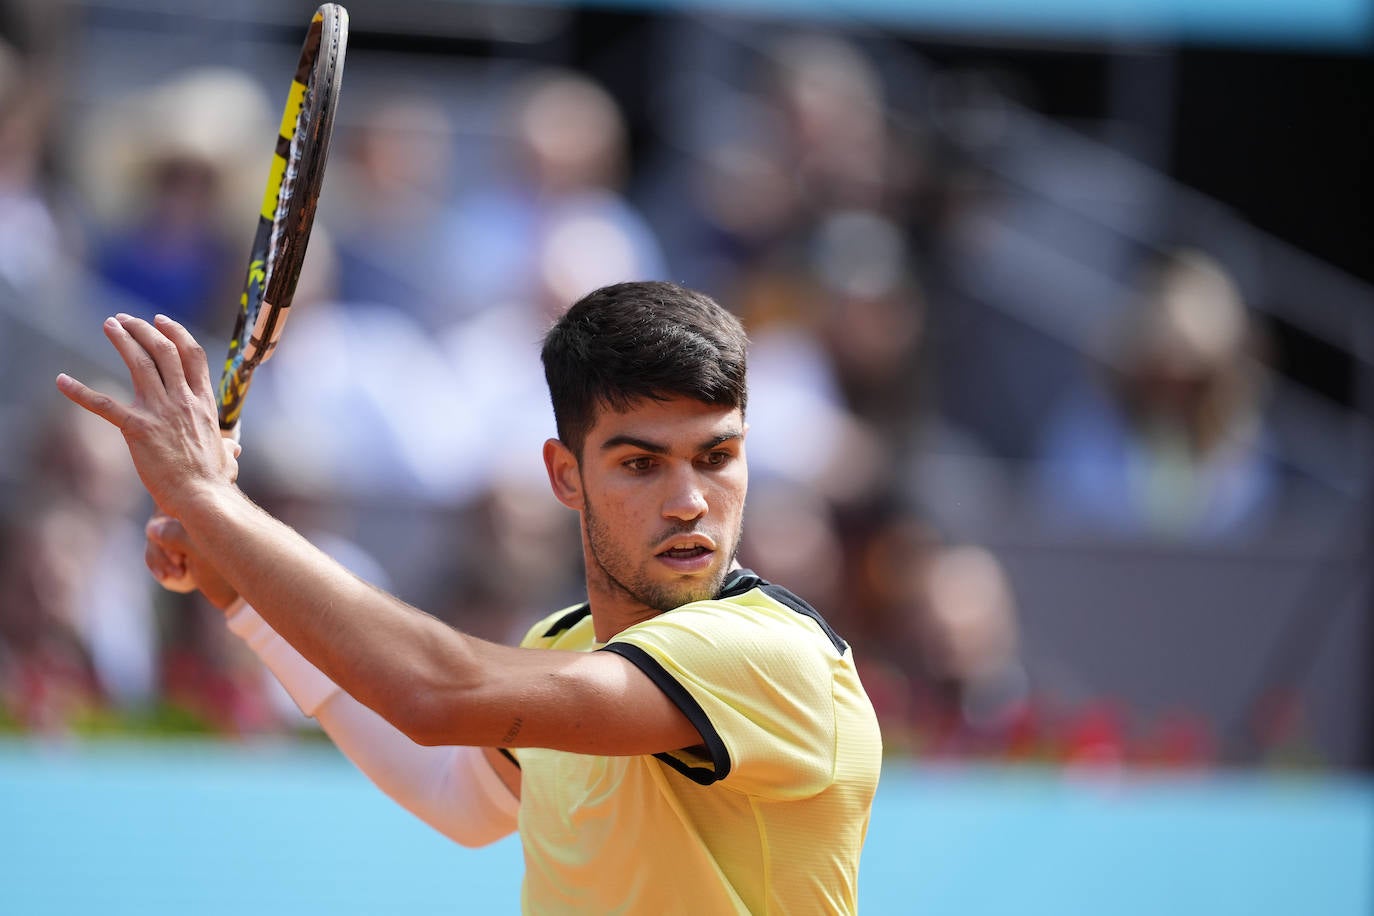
[
  {"x": 288, "y": 209},
  {"x": 288, "y": 212}
]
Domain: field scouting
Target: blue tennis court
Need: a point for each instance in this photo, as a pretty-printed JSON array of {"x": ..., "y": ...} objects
[{"x": 214, "y": 828}]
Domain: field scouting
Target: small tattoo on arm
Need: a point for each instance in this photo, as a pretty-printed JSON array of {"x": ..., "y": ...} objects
[{"x": 513, "y": 730}]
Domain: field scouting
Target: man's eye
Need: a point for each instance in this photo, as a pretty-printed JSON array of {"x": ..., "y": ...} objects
[
  {"x": 716, "y": 459},
  {"x": 638, "y": 464}
]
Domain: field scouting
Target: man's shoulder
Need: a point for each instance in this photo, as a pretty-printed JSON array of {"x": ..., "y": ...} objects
[
  {"x": 549, "y": 630},
  {"x": 746, "y": 589}
]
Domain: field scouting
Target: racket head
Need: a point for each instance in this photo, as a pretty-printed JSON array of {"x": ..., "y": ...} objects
[{"x": 288, "y": 209}]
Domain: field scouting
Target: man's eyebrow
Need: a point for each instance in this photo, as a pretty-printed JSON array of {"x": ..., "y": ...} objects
[
  {"x": 657, "y": 448},
  {"x": 720, "y": 440},
  {"x": 642, "y": 444}
]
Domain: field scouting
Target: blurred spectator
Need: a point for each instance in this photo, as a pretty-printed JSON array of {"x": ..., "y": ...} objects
[
  {"x": 32, "y": 244},
  {"x": 38, "y": 244},
  {"x": 47, "y": 678},
  {"x": 566, "y": 160},
  {"x": 81, "y": 466},
  {"x": 794, "y": 538},
  {"x": 873, "y": 327},
  {"x": 1174, "y": 443},
  {"x": 936, "y": 624},
  {"x": 407, "y": 241},
  {"x": 174, "y": 176},
  {"x": 358, "y": 399},
  {"x": 513, "y": 566},
  {"x": 76, "y": 613},
  {"x": 765, "y": 164},
  {"x": 389, "y": 208},
  {"x": 830, "y": 452},
  {"x": 838, "y": 341},
  {"x": 833, "y": 105}
]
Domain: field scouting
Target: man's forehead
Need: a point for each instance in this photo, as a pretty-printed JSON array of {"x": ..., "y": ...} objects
[{"x": 671, "y": 418}]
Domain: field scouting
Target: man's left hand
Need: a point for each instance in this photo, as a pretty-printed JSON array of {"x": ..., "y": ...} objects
[{"x": 172, "y": 427}]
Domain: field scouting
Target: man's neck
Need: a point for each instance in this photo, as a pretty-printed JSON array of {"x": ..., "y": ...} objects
[{"x": 614, "y": 610}]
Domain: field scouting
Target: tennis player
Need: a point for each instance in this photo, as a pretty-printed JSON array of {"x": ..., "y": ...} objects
[{"x": 693, "y": 738}]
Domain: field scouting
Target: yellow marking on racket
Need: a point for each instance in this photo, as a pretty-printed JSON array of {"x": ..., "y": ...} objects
[
  {"x": 232, "y": 391},
  {"x": 294, "y": 100},
  {"x": 274, "y": 178}
]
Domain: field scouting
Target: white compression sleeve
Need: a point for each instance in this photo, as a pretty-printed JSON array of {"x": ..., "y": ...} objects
[
  {"x": 307, "y": 685},
  {"x": 453, "y": 789}
]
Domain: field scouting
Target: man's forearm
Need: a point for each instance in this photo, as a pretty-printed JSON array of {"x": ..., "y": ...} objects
[{"x": 390, "y": 656}]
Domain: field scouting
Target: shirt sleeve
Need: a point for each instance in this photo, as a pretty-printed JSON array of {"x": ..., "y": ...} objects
[{"x": 758, "y": 688}]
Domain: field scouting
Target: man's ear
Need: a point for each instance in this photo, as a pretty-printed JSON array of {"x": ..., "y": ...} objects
[{"x": 564, "y": 475}]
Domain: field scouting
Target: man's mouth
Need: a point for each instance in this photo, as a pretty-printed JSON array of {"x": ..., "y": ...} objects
[
  {"x": 684, "y": 553},
  {"x": 687, "y": 553}
]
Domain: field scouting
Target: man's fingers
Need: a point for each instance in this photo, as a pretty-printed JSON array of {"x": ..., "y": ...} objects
[
  {"x": 232, "y": 450},
  {"x": 102, "y": 405},
  {"x": 143, "y": 371},
  {"x": 157, "y": 345},
  {"x": 167, "y": 533},
  {"x": 194, "y": 363},
  {"x": 162, "y": 564},
  {"x": 165, "y": 560}
]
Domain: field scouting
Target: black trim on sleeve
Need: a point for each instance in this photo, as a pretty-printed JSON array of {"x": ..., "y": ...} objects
[
  {"x": 777, "y": 592},
  {"x": 568, "y": 620},
  {"x": 744, "y": 580},
  {"x": 737, "y": 582},
  {"x": 509, "y": 756},
  {"x": 715, "y": 747}
]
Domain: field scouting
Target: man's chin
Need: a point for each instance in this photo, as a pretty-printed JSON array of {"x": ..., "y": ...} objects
[{"x": 702, "y": 588}]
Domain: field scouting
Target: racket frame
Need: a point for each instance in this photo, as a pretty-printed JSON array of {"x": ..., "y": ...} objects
[{"x": 288, "y": 210}]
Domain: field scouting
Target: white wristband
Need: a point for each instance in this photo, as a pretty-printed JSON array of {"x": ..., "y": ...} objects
[{"x": 307, "y": 685}]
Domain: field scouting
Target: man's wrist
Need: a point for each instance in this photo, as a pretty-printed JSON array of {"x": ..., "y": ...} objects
[
  {"x": 207, "y": 504},
  {"x": 209, "y": 514}
]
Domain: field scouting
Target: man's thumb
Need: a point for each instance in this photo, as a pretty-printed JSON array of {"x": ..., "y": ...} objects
[{"x": 165, "y": 532}]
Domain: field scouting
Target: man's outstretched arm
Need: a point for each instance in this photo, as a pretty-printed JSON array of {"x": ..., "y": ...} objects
[{"x": 434, "y": 684}]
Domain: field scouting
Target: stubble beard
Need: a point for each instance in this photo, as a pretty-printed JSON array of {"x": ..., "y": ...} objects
[{"x": 619, "y": 570}]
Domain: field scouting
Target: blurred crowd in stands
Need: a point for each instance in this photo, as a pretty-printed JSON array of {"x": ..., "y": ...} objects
[{"x": 400, "y": 425}]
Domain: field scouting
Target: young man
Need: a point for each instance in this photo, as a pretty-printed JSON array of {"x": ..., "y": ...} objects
[{"x": 690, "y": 738}]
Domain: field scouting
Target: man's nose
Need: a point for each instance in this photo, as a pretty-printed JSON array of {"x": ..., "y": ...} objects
[{"x": 686, "y": 499}]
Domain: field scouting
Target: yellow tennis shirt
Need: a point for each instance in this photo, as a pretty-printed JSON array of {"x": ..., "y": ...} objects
[{"x": 767, "y": 816}]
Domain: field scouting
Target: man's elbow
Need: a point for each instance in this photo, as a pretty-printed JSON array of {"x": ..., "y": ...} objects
[
  {"x": 429, "y": 737},
  {"x": 470, "y": 838},
  {"x": 427, "y": 722}
]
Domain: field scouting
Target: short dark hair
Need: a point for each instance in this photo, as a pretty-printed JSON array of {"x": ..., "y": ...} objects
[{"x": 634, "y": 341}]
